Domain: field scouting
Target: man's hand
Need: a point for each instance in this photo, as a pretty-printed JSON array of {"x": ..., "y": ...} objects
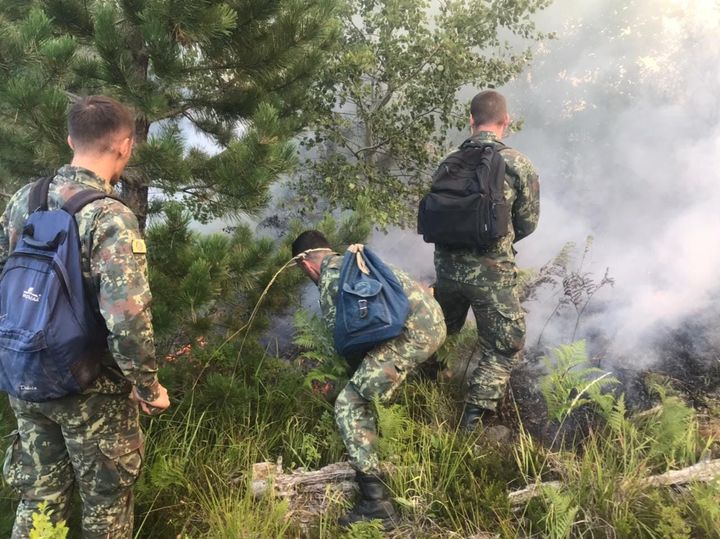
[{"x": 155, "y": 407}]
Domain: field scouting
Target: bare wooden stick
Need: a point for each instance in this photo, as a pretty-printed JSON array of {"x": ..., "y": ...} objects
[
  {"x": 519, "y": 497},
  {"x": 701, "y": 472}
]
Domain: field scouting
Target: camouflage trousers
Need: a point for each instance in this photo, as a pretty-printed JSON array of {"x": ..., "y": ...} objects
[
  {"x": 377, "y": 378},
  {"x": 91, "y": 440},
  {"x": 501, "y": 333}
]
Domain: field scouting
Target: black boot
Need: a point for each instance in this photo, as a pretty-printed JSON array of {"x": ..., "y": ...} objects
[
  {"x": 373, "y": 504},
  {"x": 473, "y": 415}
]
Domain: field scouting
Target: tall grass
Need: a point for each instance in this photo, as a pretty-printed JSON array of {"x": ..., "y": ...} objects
[
  {"x": 199, "y": 459},
  {"x": 603, "y": 491}
]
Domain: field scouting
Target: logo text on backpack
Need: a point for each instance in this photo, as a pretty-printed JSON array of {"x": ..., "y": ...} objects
[{"x": 30, "y": 295}]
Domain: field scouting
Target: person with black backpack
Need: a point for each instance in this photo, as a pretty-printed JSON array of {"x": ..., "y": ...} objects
[
  {"x": 386, "y": 325},
  {"x": 484, "y": 198},
  {"x": 77, "y": 357}
]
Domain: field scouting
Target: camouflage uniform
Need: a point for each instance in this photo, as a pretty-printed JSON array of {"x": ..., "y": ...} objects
[
  {"x": 93, "y": 438},
  {"x": 487, "y": 282},
  {"x": 384, "y": 368}
]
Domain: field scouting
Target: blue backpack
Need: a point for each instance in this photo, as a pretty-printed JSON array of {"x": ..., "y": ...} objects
[
  {"x": 51, "y": 338},
  {"x": 371, "y": 305}
]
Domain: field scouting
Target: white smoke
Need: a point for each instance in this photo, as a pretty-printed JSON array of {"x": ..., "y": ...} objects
[
  {"x": 624, "y": 123},
  {"x": 622, "y": 120}
]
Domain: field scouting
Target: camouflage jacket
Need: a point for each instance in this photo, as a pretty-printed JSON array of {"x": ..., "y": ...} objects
[
  {"x": 114, "y": 270},
  {"x": 497, "y": 264},
  {"x": 425, "y": 313}
]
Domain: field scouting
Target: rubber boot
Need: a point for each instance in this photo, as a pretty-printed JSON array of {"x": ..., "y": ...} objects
[
  {"x": 373, "y": 504},
  {"x": 473, "y": 415}
]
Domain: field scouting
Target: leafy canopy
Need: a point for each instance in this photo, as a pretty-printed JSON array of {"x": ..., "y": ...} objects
[{"x": 388, "y": 98}]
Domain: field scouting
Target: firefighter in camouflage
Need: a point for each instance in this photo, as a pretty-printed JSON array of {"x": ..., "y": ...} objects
[
  {"x": 92, "y": 440},
  {"x": 379, "y": 373},
  {"x": 486, "y": 281}
]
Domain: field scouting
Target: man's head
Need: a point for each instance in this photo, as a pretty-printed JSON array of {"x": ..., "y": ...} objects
[
  {"x": 488, "y": 112},
  {"x": 101, "y": 130},
  {"x": 309, "y": 249}
]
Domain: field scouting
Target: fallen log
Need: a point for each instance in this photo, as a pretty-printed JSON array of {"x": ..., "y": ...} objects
[
  {"x": 268, "y": 476},
  {"x": 309, "y": 494}
]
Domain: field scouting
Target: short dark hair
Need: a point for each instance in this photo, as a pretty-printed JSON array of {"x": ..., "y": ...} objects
[
  {"x": 310, "y": 239},
  {"x": 93, "y": 120},
  {"x": 488, "y": 108}
]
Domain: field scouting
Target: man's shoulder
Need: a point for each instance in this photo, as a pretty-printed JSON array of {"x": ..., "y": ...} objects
[
  {"x": 109, "y": 212},
  {"x": 113, "y": 208},
  {"x": 329, "y": 275},
  {"x": 517, "y": 161},
  {"x": 20, "y": 199},
  {"x": 512, "y": 154}
]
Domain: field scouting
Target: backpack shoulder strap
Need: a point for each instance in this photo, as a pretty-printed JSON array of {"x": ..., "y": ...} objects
[
  {"x": 470, "y": 143},
  {"x": 37, "y": 200},
  {"x": 79, "y": 200}
]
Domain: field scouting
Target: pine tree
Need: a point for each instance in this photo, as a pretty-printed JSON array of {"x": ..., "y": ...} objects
[
  {"x": 234, "y": 71},
  {"x": 205, "y": 285}
]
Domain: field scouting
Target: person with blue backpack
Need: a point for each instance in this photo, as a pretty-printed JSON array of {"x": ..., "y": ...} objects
[
  {"x": 77, "y": 357},
  {"x": 387, "y": 325}
]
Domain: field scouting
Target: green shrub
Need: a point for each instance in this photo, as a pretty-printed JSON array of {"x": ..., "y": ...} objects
[{"x": 43, "y": 527}]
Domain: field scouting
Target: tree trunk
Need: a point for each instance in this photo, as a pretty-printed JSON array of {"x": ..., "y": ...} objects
[
  {"x": 135, "y": 195},
  {"x": 135, "y": 184}
]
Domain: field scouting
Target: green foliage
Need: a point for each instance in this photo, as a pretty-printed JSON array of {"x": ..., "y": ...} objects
[
  {"x": 314, "y": 338},
  {"x": 226, "y": 418},
  {"x": 235, "y": 513},
  {"x": 571, "y": 384},
  {"x": 388, "y": 97},
  {"x": 673, "y": 429},
  {"x": 703, "y": 509},
  {"x": 236, "y": 73},
  {"x": 603, "y": 490},
  {"x": 210, "y": 283},
  {"x": 372, "y": 529},
  {"x": 318, "y": 353},
  {"x": 673, "y": 524},
  {"x": 561, "y": 512},
  {"x": 43, "y": 527}
]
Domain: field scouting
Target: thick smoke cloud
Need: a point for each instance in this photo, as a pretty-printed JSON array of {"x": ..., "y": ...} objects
[{"x": 622, "y": 119}]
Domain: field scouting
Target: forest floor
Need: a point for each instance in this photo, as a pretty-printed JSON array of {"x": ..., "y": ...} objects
[{"x": 588, "y": 435}]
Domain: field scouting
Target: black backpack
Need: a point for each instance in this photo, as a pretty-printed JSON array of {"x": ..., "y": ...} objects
[{"x": 466, "y": 205}]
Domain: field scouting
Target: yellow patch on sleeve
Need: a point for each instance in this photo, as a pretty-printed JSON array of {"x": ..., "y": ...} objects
[{"x": 138, "y": 247}]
